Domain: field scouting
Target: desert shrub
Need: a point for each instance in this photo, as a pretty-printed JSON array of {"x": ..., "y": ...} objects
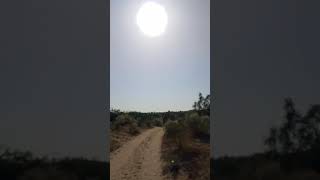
[
  {"x": 200, "y": 125},
  {"x": 47, "y": 174},
  {"x": 125, "y": 120},
  {"x": 133, "y": 129},
  {"x": 22, "y": 165},
  {"x": 122, "y": 120},
  {"x": 158, "y": 122},
  {"x": 145, "y": 123},
  {"x": 178, "y": 133},
  {"x": 141, "y": 122},
  {"x": 192, "y": 120},
  {"x": 149, "y": 123},
  {"x": 204, "y": 125},
  {"x": 174, "y": 129}
]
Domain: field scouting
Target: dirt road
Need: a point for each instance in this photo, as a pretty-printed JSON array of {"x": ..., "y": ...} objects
[{"x": 139, "y": 159}]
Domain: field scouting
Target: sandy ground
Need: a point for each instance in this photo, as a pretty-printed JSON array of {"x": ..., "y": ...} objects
[{"x": 138, "y": 159}]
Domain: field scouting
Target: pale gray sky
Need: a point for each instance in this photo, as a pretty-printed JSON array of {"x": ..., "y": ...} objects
[{"x": 165, "y": 72}]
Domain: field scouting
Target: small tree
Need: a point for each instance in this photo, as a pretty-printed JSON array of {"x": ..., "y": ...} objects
[
  {"x": 298, "y": 133},
  {"x": 272, "y": 141},
  {"x": 203, "y": 104},
  {"x": 288, "y": 133}
]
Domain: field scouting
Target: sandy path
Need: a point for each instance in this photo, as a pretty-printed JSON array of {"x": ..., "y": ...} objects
[{"x": 139, "y": 159}]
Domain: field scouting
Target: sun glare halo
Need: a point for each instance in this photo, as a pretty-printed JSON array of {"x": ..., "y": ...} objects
[{"x": 152, "y": 19}]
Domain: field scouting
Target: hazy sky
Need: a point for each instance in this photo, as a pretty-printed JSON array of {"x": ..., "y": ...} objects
[{"x": 159, "y": 73}]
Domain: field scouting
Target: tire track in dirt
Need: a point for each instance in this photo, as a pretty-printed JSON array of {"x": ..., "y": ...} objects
[{"x": 139, "y": 159}]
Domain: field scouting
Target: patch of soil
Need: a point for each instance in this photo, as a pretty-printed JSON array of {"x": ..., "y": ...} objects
[
  {"x": 121, "y": 136},
  {"x": 138, "y": 159}
]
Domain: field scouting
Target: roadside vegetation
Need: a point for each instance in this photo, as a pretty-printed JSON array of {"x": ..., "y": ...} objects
[
  {"x": 185, "y": 148},
  {"x": 23, "y": 165},
  {"x": 126, "y": 125},
  {"x": 186, "y": 143},
  {"x": 292, "y": 151}
]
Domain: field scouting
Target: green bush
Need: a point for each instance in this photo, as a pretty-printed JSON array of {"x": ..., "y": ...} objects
[
  {"x": 192, "y": 120},
  {"x": 22, "y": 165},
  {"x": 145, "y": 123},
  {"x": 149, "y": 123},
  {"x": 204, "y": 125},
  {"x": 158, "y": 122},
  {"x": 126, "y": 120},
  {"x": 173, "y": 129},
  {"x": 141, "y": 122},
  {"x": 133, "y": 129},
  {"x": 122, "y": 120},
  {"x": 200, "y": 125},
  {"x": 178, "y": 133}
]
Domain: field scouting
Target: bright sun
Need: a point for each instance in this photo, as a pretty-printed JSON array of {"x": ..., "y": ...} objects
[{"x": 152, "y": 19}]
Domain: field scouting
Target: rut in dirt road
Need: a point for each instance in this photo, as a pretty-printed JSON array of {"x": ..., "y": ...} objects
[{"x": 139, "y": 159}]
